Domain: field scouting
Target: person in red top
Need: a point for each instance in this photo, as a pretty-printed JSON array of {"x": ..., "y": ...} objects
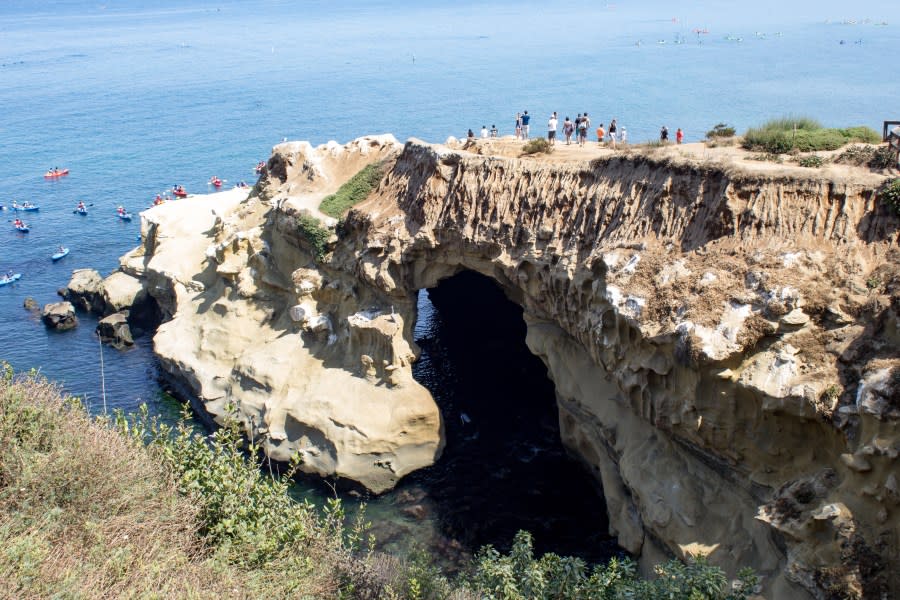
[{"x": 679, "y": 136}]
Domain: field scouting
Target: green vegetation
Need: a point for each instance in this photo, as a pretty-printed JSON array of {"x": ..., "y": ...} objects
[
  {"x": 811, "y": 161},
  {"x": 354, "y": 191},
  {"x": 890, "y": 195},
  {"x": 135, "y": 508},
  {"x": 804, "y": 135},
  {"x": 520, "y": 576},
  {"x": 537, "y": 146},
  {"x": 315, "y": 233},
  {"x": 721, "y": 130}
]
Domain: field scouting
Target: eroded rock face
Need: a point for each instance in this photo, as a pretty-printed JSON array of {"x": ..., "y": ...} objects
[
  {"x": 714, "y": 337},
  {"x": 311, "y": 363},
  {"x": 59, "y": 316},
  {"x": 723, "y": 362}
]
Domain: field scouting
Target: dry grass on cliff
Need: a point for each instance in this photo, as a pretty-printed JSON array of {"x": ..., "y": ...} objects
[
  {"x": 83, "y": 513},
  {"x": 86, "y": 512}
]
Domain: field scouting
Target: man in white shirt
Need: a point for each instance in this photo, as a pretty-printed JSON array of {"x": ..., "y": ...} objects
[
  {"x": 484, "y": 132},
  {"x": 551, "y": 129}
]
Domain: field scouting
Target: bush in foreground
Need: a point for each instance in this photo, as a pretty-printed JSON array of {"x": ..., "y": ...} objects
[
  {"x": 139, "y": 509},
  {"x": 804, "y": 135}
]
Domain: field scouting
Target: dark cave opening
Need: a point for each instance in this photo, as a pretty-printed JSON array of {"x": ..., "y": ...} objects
[{"x": 504, "y": 467}]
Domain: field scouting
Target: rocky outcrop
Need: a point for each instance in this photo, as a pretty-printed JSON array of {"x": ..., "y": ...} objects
[
  {"x": 85, "y": 290},
  {"x": 299, "y": 355},
  {"x": 59, "y": 316},
  {"x": 723, "y": 338},
  {"x": 114, "y": 330},
  {"x": 121, "y": 299}
]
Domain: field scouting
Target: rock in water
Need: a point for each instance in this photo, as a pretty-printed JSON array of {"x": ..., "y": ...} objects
[
  {"x": 59, "y": 316},
  {"x": 114, "y": 330},
  {"x": 30, "y": 304},
  {"x": 84, "y": 290}
]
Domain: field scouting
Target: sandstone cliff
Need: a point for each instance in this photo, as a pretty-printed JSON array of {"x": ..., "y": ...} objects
[{"x": 723, "y": 337}]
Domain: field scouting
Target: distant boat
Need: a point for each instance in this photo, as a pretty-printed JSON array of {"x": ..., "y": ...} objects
[
  {"x": 60, "y": 253},
  {"x": 125, "y": 216},
  {"x": 54, "y": 173},
  {"x": 7, "y": 279},
  {"x": 21, "y": 227},
  {"x": 80, "y": 210},
  {"x": 26, "y": 207},
  {"x": 216, "y": 181},
  {"x": 179, "y": 192}
]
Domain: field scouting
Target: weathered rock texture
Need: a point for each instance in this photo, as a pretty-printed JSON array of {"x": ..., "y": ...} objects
[
  {"x": 59, "y": 316},
  {"x": 724, "y": 341},
  {"x": 310, "y": 362}
]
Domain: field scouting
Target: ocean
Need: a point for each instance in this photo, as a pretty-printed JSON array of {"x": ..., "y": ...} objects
[{"x": 135, "y": 96}]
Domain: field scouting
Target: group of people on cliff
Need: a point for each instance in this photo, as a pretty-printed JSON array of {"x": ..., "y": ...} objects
[{"x": 579, "y": 128}]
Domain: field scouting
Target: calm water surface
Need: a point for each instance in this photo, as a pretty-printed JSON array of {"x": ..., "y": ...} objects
[{"x": 134, "y": 97}]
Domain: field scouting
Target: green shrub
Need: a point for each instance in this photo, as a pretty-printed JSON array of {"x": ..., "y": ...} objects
[
  {"x": 856, "y": 155},
  {"x": 354, "y": 191},
  {"x": 315, "y": 234},
  {"x": 520, "y": 576},
  {"x": 721, "y": 130},
  {"x": 536, "y": 146},
  {"x": 883, "y": 158},
  {"x": 890, "y": 195},
  {"x": 863, "y": 134},
  {"x": 803, "y": 134},
  {"x": 811, "y": 161}
]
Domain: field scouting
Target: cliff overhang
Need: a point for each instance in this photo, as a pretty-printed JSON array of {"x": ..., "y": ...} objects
[{"x": 723, "y": 339}]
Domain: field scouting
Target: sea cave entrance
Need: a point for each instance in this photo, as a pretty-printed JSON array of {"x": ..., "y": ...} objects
[{"x": 504, "y": 467}]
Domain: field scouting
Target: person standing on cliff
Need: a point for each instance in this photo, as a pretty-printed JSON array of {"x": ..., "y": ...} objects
[
  {"x": 526, "y": 118},
  {"x": 484, "y": 132},
  {"x": 613, "y": 131},
  {"x": 518, "y": 126},
  {"x": 551, "y": 129},
  {"x": 679, "y": 136},
  {"x": 664, "y": 134},
  {"x": 600, "y": 134},
  {"x": 493, "y": 131},
  {"x": 583, "y": 129},
  {"x": 568, "y": 130}
]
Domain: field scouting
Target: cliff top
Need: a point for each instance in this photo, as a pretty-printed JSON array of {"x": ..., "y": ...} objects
[{"x": 727, "y": 157}]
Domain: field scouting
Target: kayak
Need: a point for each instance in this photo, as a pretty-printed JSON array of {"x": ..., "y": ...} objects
[
  {"x": 30, "y": 208},
  {"x": 7, "y": 279},
  {"x": 216, "y": 182},
  {"x": 22, "y": 228},
  {"x": 180, "y": 193},
  {"x": 124, "y": 216},
  {"x": 54, "y": 175},
  {"x": 59, "y": 254},
  {"x": 80, "y": 211}
]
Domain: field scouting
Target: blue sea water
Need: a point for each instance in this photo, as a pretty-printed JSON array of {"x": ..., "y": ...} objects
[{"x": 135, "y": 96}]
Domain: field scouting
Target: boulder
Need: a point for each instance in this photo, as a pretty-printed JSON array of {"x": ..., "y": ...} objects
[
  {"x": 121, "y": 291},
  {"x": 114, "y": 330},
  {"x": 31, "y": 304},
  {"x": 59, "y": 316},
  {"x": 84, "y": 290}
]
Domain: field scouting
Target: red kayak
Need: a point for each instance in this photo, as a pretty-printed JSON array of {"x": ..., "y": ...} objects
[
  {"x": 55, "y": 174},
  {"x": 180, "y": 193},
  {"x": 216, "y": 182}
]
